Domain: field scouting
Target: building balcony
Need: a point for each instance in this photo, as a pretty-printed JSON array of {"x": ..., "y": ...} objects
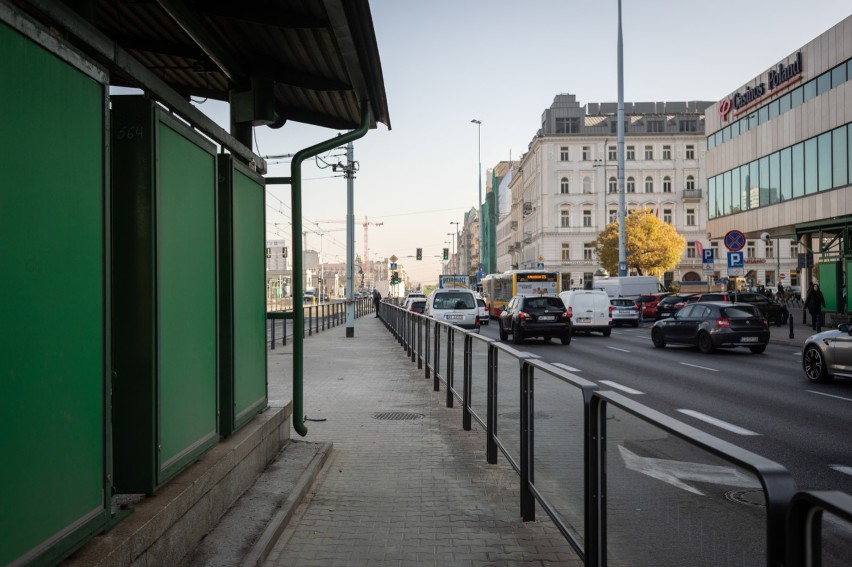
[{"x": 690, "y": 195}]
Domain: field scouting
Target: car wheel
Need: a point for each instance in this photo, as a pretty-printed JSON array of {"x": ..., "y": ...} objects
[
  {"x": 814, "y": 365},
  {"x": 607, "y": 332},
  {"x": 547, "y": 339},
  {"x": 657, "y": 338},
  {"x": 757, "y": 349},
  {"x": 504, "y": 335},
  {"x": 705, "y": 343},
  {"x": 566, "y": 339},
  {"x": 517, "y": 337}
]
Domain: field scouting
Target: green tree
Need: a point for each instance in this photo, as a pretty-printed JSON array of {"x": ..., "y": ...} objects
[{"x": 653, "y": 247}]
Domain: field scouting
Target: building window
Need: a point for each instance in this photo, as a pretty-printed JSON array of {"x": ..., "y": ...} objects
[
  {"x": 567, "y": 125},
  {"x": 688, "y": 126},
  {"x": 563, "y": 153},
  {"x": 588, "y": 251},
  {"x": 587, "y": 218},
  {"x": 565, "y": 218},
  {"x": 613, "y": 215},
  {"x": 750, "y": 253},
  {"x": 794, "y": 249},
  {"x": 631, "y": 185},
  {"x": 587, "y": 153},
  {"x": 655, "y": 126},
  {"x": 649, "y": 152},
  {"x": 690, "y": 152},
  {"x": 667, "y": 216},
  {"x": 690, "y": 217},
  {"x": 613, "y": 185},
  {"x": 564, "y": 186},
  {"x": 587, "y": 185},
  {"x": 269, "y": 253},
  {"x": 611, "y": 154},
  {"x": 690, "y": 249},
  {"x": 667, "y": 152},
  {"x": 667, "y": 184},
  {"x": 649, "y": 185},
  {"x": 631, "y": 153},
  {"x": 770, "y": 249},
  {"x": 566, "y": 250},
  {"x": 690, "y": 183}
]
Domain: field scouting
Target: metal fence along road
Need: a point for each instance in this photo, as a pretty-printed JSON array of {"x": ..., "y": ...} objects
[{"x": 625, "y": 484}]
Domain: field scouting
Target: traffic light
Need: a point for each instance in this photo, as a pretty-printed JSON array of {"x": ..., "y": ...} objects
[
  {"x": 284, "y": 252},
  {"x": 395, "y": 278},
  {"x": 446, "y": 253},
  {"x": 419, "y": 253}
]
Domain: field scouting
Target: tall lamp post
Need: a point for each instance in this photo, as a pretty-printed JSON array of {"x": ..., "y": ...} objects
[
  {"x": 456, "y": 246},
  {"x": 479, "y": 205},
  {"x": 453, "y": 251}
]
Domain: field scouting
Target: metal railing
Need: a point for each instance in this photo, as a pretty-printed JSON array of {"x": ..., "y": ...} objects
[
  {"x": 317, "y": 318},
  {"x": 625, "y": 484}
]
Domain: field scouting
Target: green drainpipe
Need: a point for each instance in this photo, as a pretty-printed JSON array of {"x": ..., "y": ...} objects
[{"x": 298, "y": 261}]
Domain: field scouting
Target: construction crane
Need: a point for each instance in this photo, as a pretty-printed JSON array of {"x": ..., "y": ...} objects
[{"x": 366, "y": 224}]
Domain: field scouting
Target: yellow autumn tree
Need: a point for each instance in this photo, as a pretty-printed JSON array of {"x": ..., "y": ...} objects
[{"x": 653, "y": 247}]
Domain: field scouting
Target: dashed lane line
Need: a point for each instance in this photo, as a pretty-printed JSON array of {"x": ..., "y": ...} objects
[
  {"x": 717, "y": 422},
  {"x": 566, "y": 367},
  {"x": 701, "y": 367},
  {"x": 830, "y": 396},
  {"x": 618, "y": 386},
  {"x": 618, "y": 349},
  {"x": 842, "y": 468}
]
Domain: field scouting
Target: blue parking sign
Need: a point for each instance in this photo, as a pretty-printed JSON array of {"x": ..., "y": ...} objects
[{"x": 707, "y": 256}]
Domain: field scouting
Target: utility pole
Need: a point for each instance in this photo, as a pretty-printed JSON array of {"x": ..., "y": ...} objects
[{"x": 349, "y": 172}]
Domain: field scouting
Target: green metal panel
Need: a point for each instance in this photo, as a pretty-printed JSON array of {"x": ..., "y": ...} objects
[
  {"x": 53, "y": 481},
  {"x": 242, "y": 233},
  {"x": 830, "y": 274},
  {"x": 164, "y": 237}
]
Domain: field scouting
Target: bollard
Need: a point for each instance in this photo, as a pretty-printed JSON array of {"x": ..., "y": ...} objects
[{"x": 790, "y": 322}]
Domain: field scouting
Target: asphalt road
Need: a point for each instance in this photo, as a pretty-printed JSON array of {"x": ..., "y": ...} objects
[{"x": 760, "y": 402}]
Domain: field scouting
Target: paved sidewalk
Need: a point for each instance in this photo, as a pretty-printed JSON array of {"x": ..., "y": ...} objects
[{"x": 414, "y": 490}]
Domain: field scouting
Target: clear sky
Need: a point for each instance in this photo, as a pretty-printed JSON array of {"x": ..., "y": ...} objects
[{"x": 447, "y": 62}]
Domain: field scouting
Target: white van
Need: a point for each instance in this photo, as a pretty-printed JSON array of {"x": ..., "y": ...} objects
[
  {"x": 590, "y": 310},
  {"x": 455, "y": 306}
]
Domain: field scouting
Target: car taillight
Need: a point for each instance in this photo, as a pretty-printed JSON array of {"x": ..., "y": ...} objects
[
  {"x": 566, "y": 315},
  {"x": 765, "y": 323},
  {"x": 522, "y": 315},
  {"x": 477, "y": 323},
  {"x": 723, "y": 323},
  {"x": 570, "y": 311},
  {"x": 611, "y": 309},
  {"x": 635, "y": 308}
]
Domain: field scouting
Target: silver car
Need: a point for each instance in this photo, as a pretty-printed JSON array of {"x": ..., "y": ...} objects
[
  {"x": 455, "y": 306},
  {"x": 625, "y": 312},
  {"x": 828, "y": 354}
]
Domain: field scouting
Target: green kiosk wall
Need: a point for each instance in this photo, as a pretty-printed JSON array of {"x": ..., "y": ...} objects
[
  {"x": 242, "y": 294},
  {"x": 54, "y": 492},
  {"x": 830, "y": 281},
  {"x": 164, "y": 305}
]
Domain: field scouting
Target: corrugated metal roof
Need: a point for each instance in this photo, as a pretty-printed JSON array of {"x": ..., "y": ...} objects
[{"x": 318, "y": 59}]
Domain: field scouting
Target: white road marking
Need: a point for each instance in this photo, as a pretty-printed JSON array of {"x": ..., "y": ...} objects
[
  {"x": 676, "y": 472},
  {"x": 718, "y": 422},
  {"x": 842, "y": 468},
  {"x": 566, "y": 367},
  {"x": 830, "y": 396},
  {"x": 701, "y": 367},
  {"x": 618, "y": 386},
  {"x": 618, "y": 349}
]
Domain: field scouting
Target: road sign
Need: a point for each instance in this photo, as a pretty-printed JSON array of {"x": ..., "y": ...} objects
[
  {"x": 736, "y": 264},
  {"x": 540, "y": 265},
  {"x": 707, "y": 256},
  {"x": 393, "y": 266},
  {"x": 781, "y": 276},
  {"x": 735, "y": 240}
]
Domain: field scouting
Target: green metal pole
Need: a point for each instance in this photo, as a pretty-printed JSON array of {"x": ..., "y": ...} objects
[{"x": 298, "y": 260}]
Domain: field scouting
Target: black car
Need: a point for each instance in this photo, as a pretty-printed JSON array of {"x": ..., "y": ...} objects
[
  {"x": 667, "y": 306},
  {"x": 714, "y": 324},
  {"x": 535, "y": 316},
  {"x": 775, "y": 313}
]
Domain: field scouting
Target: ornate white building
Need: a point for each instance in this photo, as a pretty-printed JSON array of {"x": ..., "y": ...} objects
[{"x": 564, "y": 192}]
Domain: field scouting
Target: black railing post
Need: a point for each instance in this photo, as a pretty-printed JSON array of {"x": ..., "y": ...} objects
[
  {"x": 420, "y": 342},
  {"x": 595, "y": 484},
  {"x": 436, "y": 365},
  {"x": 467, "y": 389},
  {"x": 272, "y": 324},
  {"x": 284, "y": 333},
  {"x": 491, "y": 408},
  {"x": 427, "y": 346},
  {"x": 310, "y": 326},
  {"x": 527, "y": 497},
  {"x": 451, "y": 338}
]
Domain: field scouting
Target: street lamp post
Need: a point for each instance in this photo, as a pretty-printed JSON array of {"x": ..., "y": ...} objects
[
  {"x": 456, "y": 246},
  {"x": 453, "y": 250},
  {"x": 479, "y": 205}
]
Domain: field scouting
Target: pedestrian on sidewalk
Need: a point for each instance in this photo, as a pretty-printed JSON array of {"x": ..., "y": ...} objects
[
  {"x": 377, "y": 299},
  {"x": 814, "y": 304}
]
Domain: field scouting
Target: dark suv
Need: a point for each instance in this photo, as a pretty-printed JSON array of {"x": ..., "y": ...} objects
[{"x": 535, "y": 316}]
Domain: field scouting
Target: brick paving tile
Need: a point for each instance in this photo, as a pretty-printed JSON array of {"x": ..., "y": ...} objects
[{"x": 413, "y": 492}]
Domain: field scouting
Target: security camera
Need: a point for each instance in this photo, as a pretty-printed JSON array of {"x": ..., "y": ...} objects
[{"x": 764, "y": 236}]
